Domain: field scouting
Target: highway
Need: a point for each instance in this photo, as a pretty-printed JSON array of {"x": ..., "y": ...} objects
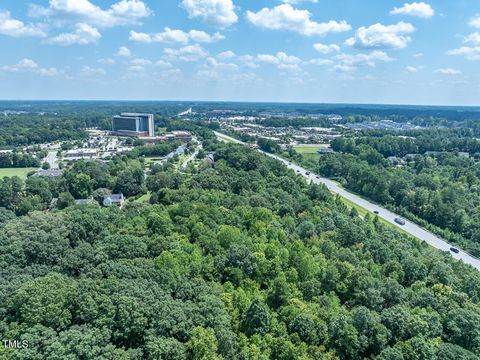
[{"x": 409, "y": 227}]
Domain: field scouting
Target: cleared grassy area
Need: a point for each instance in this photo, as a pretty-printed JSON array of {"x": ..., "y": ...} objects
[
  {"x": 143, "y": 198},
  {"x": 309, "y": 149},
  {"x": 149, "y": 160},
  {"x": 20, "y": 172}
]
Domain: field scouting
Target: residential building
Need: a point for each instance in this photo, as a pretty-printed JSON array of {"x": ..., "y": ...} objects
[{"x": 113, "y": 200}]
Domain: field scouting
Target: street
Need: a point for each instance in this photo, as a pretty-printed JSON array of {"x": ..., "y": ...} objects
[{"x": 409, "y": 227}]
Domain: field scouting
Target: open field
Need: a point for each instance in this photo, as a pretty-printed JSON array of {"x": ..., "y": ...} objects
[
  {"x": 309, "y": 149},
  {"x": 20, "y": 172}
]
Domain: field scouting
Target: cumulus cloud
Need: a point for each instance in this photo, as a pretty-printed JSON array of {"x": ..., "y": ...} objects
[
  {"x": 286, "y": 17},
  {"x": 418, "y": 9},
  {"x": 412, "y": 69},
  {"x": 106, "y": 61},
  {"x": 448, "y": 71},
  {"x": 299, "y": 1},
  {"x": 475, "y": 21},
  {"x": 83, "y": 35},
  {"x": 175, "y": 36},
  {"x": 123, "y": 51},
  {"x": 473, "y": 38},
  {"x": 28, "y": 65},
  {"x": 321, "y": 62},
  {"x": 469, "y": 52},
  {"x": 348, "y": 62},
  {"x": 326, "y": 49},
  {"x": 123, "y": 12},
  {"x": 214, "y": 69},
  {"x": 92, "y": 72},
  {"x": 382, "y": 36},
  {"x": 219, "y": 13},
  {"x": 281, "y": 60},
  {"x": 226, "y": 55},
  {"x": 186, "y": 53},
  {"x": 17, "y": 28}
]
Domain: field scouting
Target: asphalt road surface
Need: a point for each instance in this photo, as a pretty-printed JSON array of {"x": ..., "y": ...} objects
[
  {"x": 409, "y": 227},
  {"x": 52, "y": 159}
]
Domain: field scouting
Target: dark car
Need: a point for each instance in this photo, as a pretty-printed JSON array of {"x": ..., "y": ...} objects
[
  {"x": 376, "y": 212},
  {"x": 399, "y": 221},
  {"x": 307, "y": 173},
  {"x": 454, "y": 250},
  {"x": 318, "y": 177}
]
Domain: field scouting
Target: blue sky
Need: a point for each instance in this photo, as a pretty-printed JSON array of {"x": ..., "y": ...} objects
[{"x": 348, "y": 51}]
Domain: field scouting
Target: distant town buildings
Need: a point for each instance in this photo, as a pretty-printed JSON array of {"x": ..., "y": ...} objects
[
  {"x": 134, "y": 124},
  {"x": 183, "y": 136}
]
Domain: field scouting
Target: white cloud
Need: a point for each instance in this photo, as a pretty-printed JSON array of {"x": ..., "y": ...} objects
[
  {"x": 219, "y": 13},
  {"x": 281, "y": 60},
  {"x": 83, "y": 35},
  {"x": 187, "y": 53},
  {"x": 418, "y": 55},
  {"x": 412, "y": 69},
  {"x": 321, "y": 62},
  {"x": 123, "y": 12},
  {"x": 106, "y": 61},
  {"x": 285, "y": 17},
  {"x": 448, "y": 71},
  {"x": 16, "y": 28},
  {"x": 326, "y": 49},
  {"x": 175, "y": 35},
  {"x": 382, "y": 36},
  {"x": 215, "y": 69},
  {"x": 475, "y": 21},
  {"x": 123, "y": 51},
  {"x": 348, "y": 62},
  {"x": 473, "y": 38},
  {"x": 92, "y": 72},
  {"x": 418, "y": 9},
  {"x": 28, "y": 65},
  {"x": 293, "y": 2},
  {"x": 226, "y": 55},
  {"x": 470, "y": 53}
]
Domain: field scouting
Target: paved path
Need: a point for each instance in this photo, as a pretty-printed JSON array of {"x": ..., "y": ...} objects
[{"x": 410, "y": 227}]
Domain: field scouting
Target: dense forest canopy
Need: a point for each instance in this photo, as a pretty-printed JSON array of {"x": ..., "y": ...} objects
[{"x": 242, "y": 260}]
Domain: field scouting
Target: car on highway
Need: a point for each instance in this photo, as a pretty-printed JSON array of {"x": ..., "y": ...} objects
[
  {"x": 298, "y": 171},
  {"x": 307, "y": 173},
  {"x": 318, "y": 177},
  {"x": 376, "y": 212},
  {"x": 454, "y": 250},
  {"x": 399, "y": 221}
]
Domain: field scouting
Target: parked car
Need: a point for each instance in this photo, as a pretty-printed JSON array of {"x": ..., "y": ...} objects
[
  {"x": 454, "y": 250},
  {"x": 400, "y": 221}
]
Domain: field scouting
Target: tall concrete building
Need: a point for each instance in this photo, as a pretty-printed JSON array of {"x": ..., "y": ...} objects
[{"x": 134, "y": 124}]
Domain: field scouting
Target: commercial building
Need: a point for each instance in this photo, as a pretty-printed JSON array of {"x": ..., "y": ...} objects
[
  {"x": 134, "y": 124},
  {"x": 183, "y": 136}
]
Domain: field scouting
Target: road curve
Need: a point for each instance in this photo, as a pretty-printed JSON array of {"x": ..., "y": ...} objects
[{"x": 409, "y": 227}]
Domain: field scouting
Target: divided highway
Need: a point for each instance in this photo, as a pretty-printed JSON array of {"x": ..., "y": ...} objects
[{"x": 409, "y": 227}]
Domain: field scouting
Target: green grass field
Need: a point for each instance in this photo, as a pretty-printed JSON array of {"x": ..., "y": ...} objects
[
  {"x": 20, "y": 172},
  {"x": 309, "y": 149}
]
